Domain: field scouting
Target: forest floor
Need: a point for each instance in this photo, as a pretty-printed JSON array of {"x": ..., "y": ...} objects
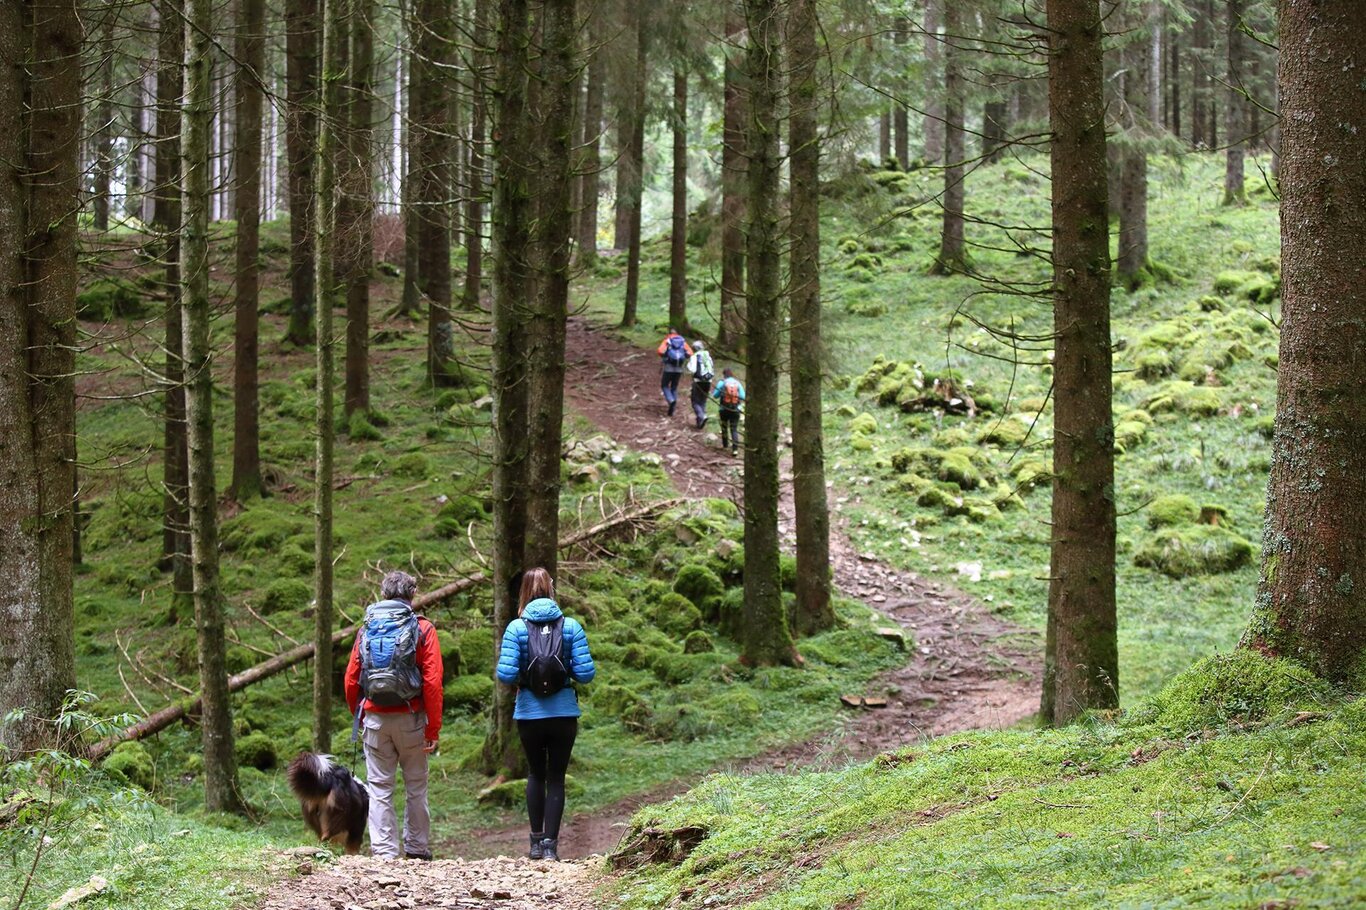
[{"x": 968, "y": 669}]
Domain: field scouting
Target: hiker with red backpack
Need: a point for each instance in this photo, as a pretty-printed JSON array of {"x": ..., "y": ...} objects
[
  {"x": 544, "y": 653},
  {"x": 674, "y": 353},
  {"x": 730, "y": 395},
  {"x": 393, "y": 688}
]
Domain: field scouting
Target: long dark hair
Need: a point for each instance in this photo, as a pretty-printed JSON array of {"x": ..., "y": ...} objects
[{"x": 536, "y": 584}]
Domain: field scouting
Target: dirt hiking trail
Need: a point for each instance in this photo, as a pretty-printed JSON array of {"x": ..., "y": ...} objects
[{"x": 968, "y": 670}]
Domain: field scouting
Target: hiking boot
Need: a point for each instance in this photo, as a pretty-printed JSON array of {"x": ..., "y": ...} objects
[
  {"x": 550, "y": 849},
  {"x": 672, "y": 405},
  {"x": 424, "y": 857},
  {"x": 702, "y": 423},
  {"x": 734, "y": 452},
  {"x": 537, "y": 846}
]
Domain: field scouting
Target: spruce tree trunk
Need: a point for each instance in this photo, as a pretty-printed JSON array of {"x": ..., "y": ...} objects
[
  {"x": 302, "y": 38},
  {"x": 1200, "y": 50},
  {"x": 104, "y": 123},
  {"x": 1235, "y": 112},
  {"x": 884, "y": 137},
  {"x": 546, "y": 331},
  {"x": 994, "y": 117},
  {"x": 410, "y": 304},
  {"x": 630, "y": 87},
  {"x": 358, "y": 233},
  {"x": 220, "y": 764},
  {"x": 250, "y": 50},
  {"x": 1174, "y": 83},
  {"x": 1132, "y": 267},
  {"x": 1309, "y": 603},
  {"x": 952, "y": 256},
  {"x": 934, "y": 108},
  {"x": 39, "y": 199},
  {"x": 678, "y": 235},
  {"x": 636, "y": 174},
  {"x": 814, "y": 609},
  {"x": 175, "y": 538},
  {"x": 766, "y": 638},
  {"x": 478, "y": 182},
  {"x": 592, "y": 159},
  {"x": 731, "y": 332},
  {"x": 900, "y": 114},
  {"x": 512, "y": 147},
  {"x": 432, "y": 131},
  {"x": 334, "y": 44},
  {"x": 1081, "y": 663}
]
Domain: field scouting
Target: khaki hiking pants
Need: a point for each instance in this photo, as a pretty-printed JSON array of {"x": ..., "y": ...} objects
[{"x": 394, "y": 741}]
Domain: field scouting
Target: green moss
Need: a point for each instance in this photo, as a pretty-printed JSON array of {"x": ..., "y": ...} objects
[
  {"x": 105, "y": 300},
  {"x": 360, "y": 429},
  {"x": 449, "y": 643},
  {"x": 1243, "y": 686},
  {"x": 1196, "y": 550},
  {"x": 1172, "y": 510},
  {"x": 675, "y": 615},
  {"x": 1129, "y": 433},
  {"x": 257, "y": 750},
  {"x": 467, "y": 694},
  {"x": 260, "y": 530},
  {"x": 286, "y": 594},
  {"x": 698, "y": 642},
  {"x": 863, "y": 425},
  {"x": 700, "y": 585},
  {"x": 1186, "y": 398},
  {"x": 957, "y": 467},
  {"x": 414, "y": 465},
  {"x": 476, "y": 651},
  {"x": 1007, "y": 432},
  {"x": 131, "y": 763}
]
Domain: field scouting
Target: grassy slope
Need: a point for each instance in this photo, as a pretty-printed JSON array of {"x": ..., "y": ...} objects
[
  {"x": 1219, "y": 793},
  {"x": 874, "y": 259}
]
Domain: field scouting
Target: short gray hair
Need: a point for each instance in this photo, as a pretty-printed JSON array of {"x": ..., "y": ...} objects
[{"x": 398, "y": 586}]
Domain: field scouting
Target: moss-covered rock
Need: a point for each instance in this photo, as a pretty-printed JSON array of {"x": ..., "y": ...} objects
[
  {"x": 863, "y": 425},
  {"x": 449, "y": 643},
  {"x": 413, "y": 464},
  {"x": 286, "y": 594},
  {"x": 1008, "y": 432},
  {"x": 1186, "y": 398},
  {"x": 467, "y": 694},
  {"x": 675, "y": 615},
  {"x": 257, "y": 750},
  {"x": 360, "y": 429},
  {"x": 698, "y": 642},
  {"x": 131, "y": 763},
  {"x": 1173, "y": 510},
  {"x": 260, "y": 530},
  {"x": 1196, "y": 550},
  {"x": 476, "y": 651},
  {"x": 1242, "y": 687},
  {"x": 1128, "y": 434},
  {"x": 105, "y": 300},
  {"x": 701, "y": 585}
]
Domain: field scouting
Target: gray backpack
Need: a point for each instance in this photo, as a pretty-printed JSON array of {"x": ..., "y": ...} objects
[{"x": 389, "y": 675}]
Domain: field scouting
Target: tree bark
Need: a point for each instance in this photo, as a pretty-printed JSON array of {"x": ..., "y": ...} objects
[
  {"x": 250, "y": 50},
  {"x": 220, "y": 763},
  {"x": 1235, "y": 112},
  {"x": 39, "y": 199},
  {"x": 815, "y": 611},
  {"x": 884, "y": 137},
  {"x": 175, "y": 538},
  {"x": 934, "y": 108},
  {"x": 357, "y": 233},
  {"x": 900, "y": 114},
  {"x": 478, "y": 183},
  {"x": 1132, "y": 269},
  {"x": 1200, "y": 97},
  {"x": 1308, "y": 607},
  {"x": 766, "y": 638},
  {"x": 994, "y": 116},
  {"x": 302, "y": 37},
  {"x": 329, "y": 284},
  {"x": 511, "y": 240},
  {"x": 432, "y": 127},
  {"x": 546, "y": 331},
  {"x": 592, "y": 159},
  {"x": 731, "y": 331},
  {"x": 678, "y": 233},
  {"x": 1081, "y": 664},
  {"x": 410, "y": 304},
  {"x": 630, "y": 89},
  {"x": 634, "y": 191},
  {"x": 952, "y": 254}
]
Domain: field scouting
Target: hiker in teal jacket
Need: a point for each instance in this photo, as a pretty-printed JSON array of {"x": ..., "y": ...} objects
[
  {"x": 730, "y": 395},
  {"x": 547, "y": 725}
]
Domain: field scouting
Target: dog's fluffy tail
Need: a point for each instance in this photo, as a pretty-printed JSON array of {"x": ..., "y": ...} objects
[{"x": 311, "y": 775}]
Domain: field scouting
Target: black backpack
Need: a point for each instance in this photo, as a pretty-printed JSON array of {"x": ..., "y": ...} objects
[{"x": 545, "y": 672}]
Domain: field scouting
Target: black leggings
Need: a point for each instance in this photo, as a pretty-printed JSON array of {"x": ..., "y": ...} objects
[{"x": 547, "y": 743}]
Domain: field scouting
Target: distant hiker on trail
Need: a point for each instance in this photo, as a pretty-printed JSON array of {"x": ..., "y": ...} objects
[
  {"x": 674, "y": 354},
  {"x": 700, "y": 368},
  {"x": 393, "y": 687},
  {"x": 543, "y": 653},
  {"x": 730, "y": 395}
]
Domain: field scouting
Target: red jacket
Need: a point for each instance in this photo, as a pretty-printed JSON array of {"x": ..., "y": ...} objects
[{"x": 428, "y": 662}]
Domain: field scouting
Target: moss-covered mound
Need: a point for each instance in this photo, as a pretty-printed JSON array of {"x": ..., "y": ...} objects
[{"x": 1193, "y": 550}]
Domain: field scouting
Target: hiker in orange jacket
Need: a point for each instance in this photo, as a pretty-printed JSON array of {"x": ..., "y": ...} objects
[{"x": 674, "y": 352}]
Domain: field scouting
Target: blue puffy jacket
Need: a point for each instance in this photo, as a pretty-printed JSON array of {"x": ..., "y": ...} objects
[{"x": 512, "y": 658}]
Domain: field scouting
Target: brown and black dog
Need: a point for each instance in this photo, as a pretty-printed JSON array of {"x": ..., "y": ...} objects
[{"x": 334, "y": 803}]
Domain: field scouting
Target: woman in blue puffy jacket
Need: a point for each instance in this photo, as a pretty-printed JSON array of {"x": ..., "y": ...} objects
[{"x": 547, "y": 724}]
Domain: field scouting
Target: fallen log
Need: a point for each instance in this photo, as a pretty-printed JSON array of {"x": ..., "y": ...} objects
[{"x": 164, "y": 717}]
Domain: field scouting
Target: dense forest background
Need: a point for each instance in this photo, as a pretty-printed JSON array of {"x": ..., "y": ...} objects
[{"x": 1048, "y": 314}]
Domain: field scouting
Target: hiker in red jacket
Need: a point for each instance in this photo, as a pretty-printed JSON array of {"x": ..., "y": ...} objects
[
  {"x": 674, "y": 353},
  {"x": 393, "y": 687}
]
